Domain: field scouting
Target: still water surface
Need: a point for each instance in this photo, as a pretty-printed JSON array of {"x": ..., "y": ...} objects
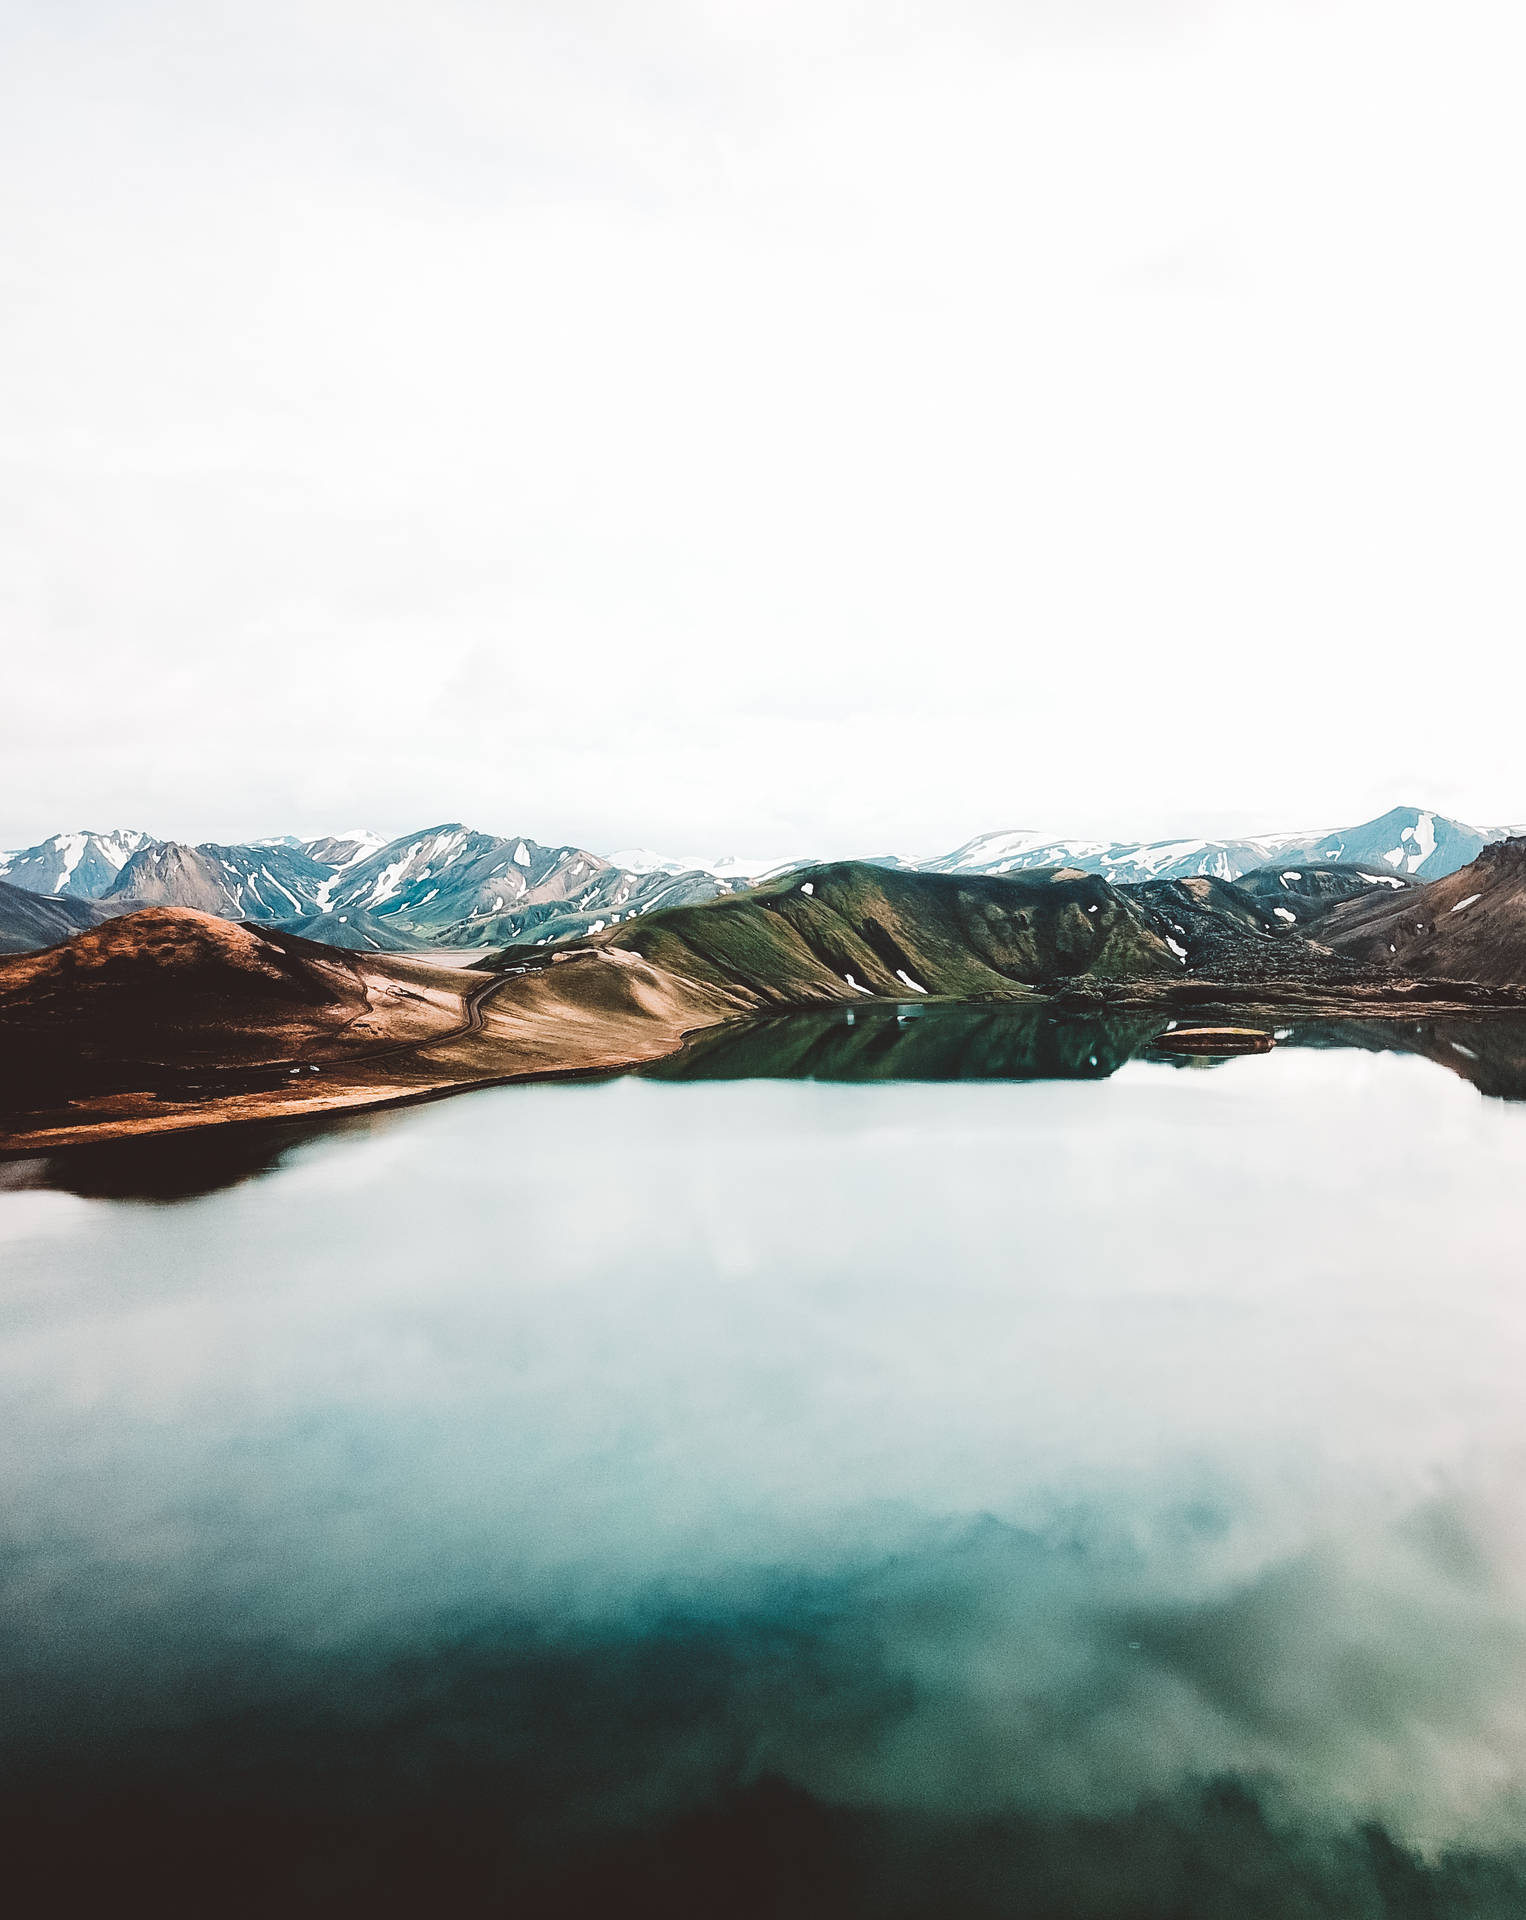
[{"x": 1099, "y": 1495}]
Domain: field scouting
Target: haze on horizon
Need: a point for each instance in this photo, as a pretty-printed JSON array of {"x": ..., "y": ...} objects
[{"x": 794, "y": 427}]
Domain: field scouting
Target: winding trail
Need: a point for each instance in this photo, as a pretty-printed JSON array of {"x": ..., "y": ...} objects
[{"x": 472, "y": 1005}]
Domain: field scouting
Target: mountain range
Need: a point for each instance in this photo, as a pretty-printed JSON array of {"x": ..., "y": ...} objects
[
  {"x": 446, "y": 885},
  {"x": 453, "y": 886},
  {"x": 162, "y": 1017},
  {"x": 1407, "y": 840},
  {"x": 78, "y": 866}
]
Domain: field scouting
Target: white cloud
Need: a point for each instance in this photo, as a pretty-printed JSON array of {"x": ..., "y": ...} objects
[{"x": 840, "y": 426}]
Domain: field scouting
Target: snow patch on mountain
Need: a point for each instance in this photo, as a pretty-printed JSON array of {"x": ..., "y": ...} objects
[
  {"x": 1409, "y": 840},
  {"x": 237, "y": 882},
  {"x": 79, "y": 865}
]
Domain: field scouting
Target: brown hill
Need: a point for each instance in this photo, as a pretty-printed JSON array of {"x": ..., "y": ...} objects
[
  {"x": 149, "y": 998},
  {"x": 167, "y": 951},
  {"x": 1469, "y": 926},
  {"x": 168, "y": 1018}
]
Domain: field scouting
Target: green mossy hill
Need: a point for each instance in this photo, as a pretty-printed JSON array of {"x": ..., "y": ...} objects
[{"x": 828, "y": 932}]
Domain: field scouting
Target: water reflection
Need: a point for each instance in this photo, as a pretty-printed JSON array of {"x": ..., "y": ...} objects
[
  {"x": 1014, "y": 1042},
  {"x": 869, "y": 1495},
  {"x": 986, "y": 1727},
  {"x": 914, "y": 1042},
  {"x": 883, "y": 1043},
  {"x": 169, "y": 1167}
]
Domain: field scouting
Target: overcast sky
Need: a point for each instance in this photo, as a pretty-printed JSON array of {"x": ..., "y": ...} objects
[{"x": 760, "y": 426}]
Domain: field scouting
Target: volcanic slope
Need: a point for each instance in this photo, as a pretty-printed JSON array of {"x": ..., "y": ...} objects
[
  {"x": 1305, "y": 892},
  {"x": 1234, "y": 931},
  {"x": 32, "y": 920},
  {"x": 829, "y": 932},
  {"x": 1471, "y": 925},
  {"x": 150, "y": 998},
  {"x": 167, "y": 1018},
  {"x": 1215, "y": 919}
]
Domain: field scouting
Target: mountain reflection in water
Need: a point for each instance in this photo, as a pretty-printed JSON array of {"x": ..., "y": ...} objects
[
  {"x": 937, "y": 1042},
  {"x": 879, "y": 1042},
  {"x": 950, "y": 1465},
  {"x": 1010, "y": 1041}
]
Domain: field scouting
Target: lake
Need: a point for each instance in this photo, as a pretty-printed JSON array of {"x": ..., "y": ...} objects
[{"x": 952, "y": 1463}]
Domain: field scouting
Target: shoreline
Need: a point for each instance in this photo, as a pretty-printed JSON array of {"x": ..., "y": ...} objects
[{"x": 350, "y": 1088}]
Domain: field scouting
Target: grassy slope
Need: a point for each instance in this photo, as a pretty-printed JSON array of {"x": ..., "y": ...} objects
[{"x": 956, "y": 935}]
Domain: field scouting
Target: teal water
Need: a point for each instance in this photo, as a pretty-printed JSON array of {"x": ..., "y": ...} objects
[{"x": 923, "y": 1488}]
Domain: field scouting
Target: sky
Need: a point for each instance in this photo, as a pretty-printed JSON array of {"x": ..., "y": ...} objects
[{"x": 815, "y": 428}]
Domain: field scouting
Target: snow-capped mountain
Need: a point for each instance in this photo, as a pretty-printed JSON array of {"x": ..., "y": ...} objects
[
  {"x": 466, "y": 888},
  {"x": 615, "y": 895},
  {"x": 343, "y": 849},
  {"x": 339, "y": 852},
  {"x": 1124, "y": 861},
  {"x": 451, "y": 872},
  {"x": 447, "y": 884},
  {"x": 268, "y": 882},
  {"x": 1407, "y": 840},
  {"x": 454, "y": 886},
  {"x": 79, "y": 866}
]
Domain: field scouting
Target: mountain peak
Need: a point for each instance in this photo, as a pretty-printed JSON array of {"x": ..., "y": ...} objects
[{"x": 81, "y": 865}]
